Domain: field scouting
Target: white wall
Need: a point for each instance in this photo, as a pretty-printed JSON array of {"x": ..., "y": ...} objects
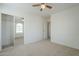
[
  {"x": 33, "y": 25},
  {"x": 33, "y": 28},
  {"x": 65, "y": 27}
]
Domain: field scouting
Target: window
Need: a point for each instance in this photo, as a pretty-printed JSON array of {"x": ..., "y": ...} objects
[{"x": 19, "y": 28}]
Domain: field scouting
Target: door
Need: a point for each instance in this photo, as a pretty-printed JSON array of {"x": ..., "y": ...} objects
[{"x": 7, "y": 30}]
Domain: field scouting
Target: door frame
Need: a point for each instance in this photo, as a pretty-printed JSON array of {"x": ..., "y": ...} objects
[{"x": 14, "y": 30}]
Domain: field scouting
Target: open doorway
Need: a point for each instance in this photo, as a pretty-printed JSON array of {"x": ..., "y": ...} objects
[
  {"x": 48, "y": 30},
  {"x": 19, "y": 31}
]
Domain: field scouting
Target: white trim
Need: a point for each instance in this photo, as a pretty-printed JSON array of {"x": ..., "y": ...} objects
[{"x": 0, "y": 32}]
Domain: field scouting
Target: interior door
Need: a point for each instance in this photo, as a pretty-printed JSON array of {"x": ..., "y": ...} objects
[{"x": 7, "y": 30}]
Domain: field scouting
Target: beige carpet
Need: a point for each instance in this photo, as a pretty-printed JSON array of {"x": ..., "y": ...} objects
[
  {"x": 19, "y": 41},
  {"x": 41, "y": 48}
]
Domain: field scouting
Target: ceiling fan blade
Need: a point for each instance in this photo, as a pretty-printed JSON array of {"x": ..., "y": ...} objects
[
  {"x": 50, "y": 7},
  {"x": 42, "y": 3},
  {"x": 36, "y": 5}
]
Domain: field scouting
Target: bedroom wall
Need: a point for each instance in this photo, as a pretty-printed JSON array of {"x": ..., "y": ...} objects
[
  {"x": 33, "y": 25},
  {"x": 33, "y": 28},
  {"x": 65, "y": 27}
]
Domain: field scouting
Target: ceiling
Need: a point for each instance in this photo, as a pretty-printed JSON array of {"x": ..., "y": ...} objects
[{"x": 27, "y": 7}]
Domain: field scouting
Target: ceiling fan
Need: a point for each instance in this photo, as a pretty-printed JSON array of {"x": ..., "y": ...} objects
[{"x": 42, "y": 6}]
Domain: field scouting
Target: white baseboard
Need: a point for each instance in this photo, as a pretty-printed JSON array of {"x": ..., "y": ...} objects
[{"x": 64, "y": 44}]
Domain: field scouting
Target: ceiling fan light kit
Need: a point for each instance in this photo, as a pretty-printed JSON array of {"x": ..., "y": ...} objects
[{"x": 42, "y": 6}]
